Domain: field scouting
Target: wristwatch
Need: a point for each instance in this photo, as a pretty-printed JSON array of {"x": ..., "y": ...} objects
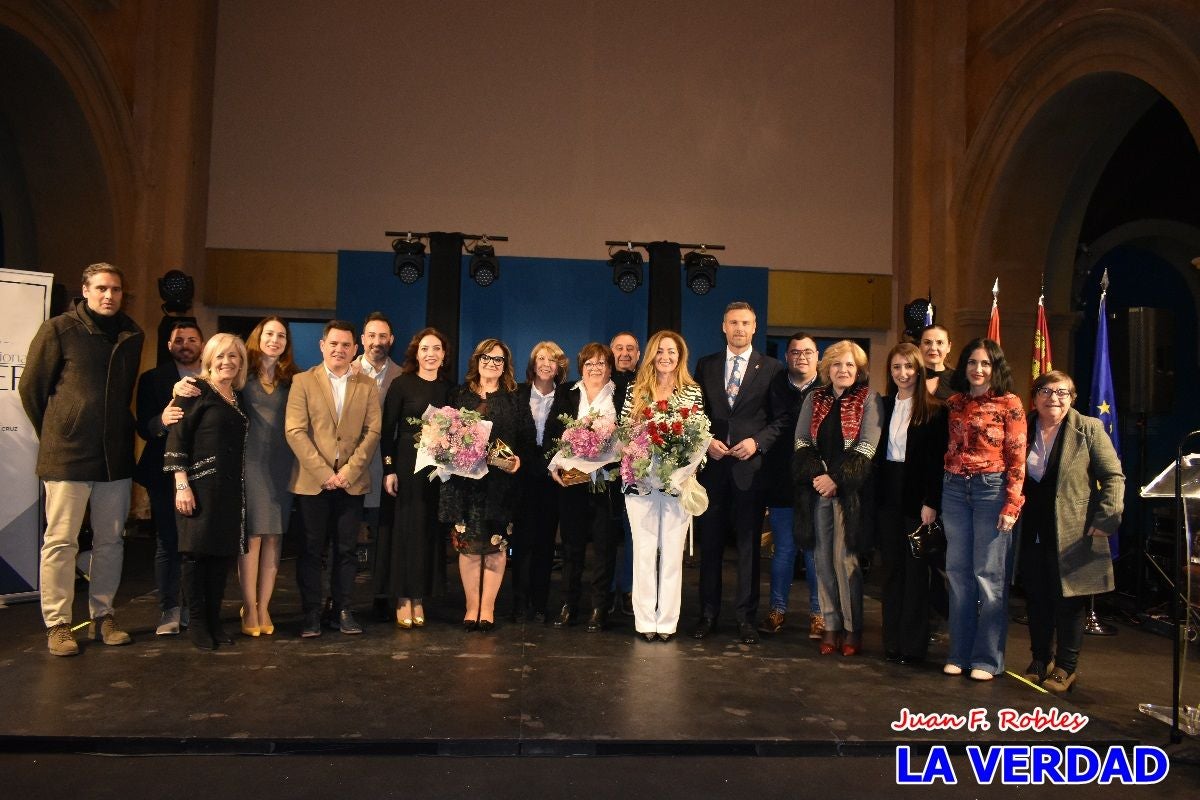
[{"x": 179, "y": 487}]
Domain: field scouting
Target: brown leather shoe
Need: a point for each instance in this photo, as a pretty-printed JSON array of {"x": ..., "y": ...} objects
[
  {"x": 104, "y": 629},
  {"x": 1058, "y": 681},
  {"x": 816, "y": 626},
  {"x": 773, "y": 623}
]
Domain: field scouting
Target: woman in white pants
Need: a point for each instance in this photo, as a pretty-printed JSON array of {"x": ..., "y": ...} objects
[{"x": 658, "y": 519}]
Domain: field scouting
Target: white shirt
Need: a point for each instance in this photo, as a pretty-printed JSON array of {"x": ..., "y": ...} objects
[
  {"x": 898, "y": 430},
  {"x": 1037, "y": 458},
  {"x": 339, "y": 390},
  {"x": 802, "y": 386},
  {"x": 369, "y": 370},
  {"x": 602, "y": 404},
  {"x": 539, "y": 406}
]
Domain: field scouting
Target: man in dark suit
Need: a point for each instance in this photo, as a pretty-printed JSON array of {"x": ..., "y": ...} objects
[
  {"x": 154, "y": 394},
  {"x": 748, "y": 411},
  {"x": 626, "y": 353}
]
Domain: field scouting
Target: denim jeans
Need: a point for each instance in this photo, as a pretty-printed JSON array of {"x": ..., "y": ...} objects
[
  {"x": 783, "y": 563},
  {"x": 978, "y": 566}
]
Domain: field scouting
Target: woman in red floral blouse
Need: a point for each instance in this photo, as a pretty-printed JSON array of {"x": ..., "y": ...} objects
[{"x": 981, "y": 499}]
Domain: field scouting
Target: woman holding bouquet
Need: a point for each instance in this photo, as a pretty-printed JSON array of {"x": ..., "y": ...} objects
[
  {"x": 663, "y": 388},
  {"x": 411, "y": 555},
  {"x": 586, "y": 506},
  {"x": 481, "y": 509},
  {"x": 836, "y": 436}
]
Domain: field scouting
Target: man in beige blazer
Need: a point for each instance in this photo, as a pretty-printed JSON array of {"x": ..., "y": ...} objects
[{"x": 332, "y": 425}]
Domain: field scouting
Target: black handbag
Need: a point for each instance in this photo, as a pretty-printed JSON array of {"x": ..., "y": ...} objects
[{"x": 927, "y": 540}]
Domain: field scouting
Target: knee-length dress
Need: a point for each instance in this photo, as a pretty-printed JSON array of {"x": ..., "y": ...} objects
[
  {"x": 209, "y": 443},
  {"x": 485, "y": 506},
  {"x": 411, "y": 555},
  {"x": 269, "y": 460}
]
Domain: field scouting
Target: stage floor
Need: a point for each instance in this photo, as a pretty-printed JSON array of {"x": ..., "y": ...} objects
[{"x": 528, "y": 689}]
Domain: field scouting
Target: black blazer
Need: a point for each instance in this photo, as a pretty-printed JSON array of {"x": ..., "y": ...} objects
[
  {"x": 924, "y": 457},
  {"x": 153, "y": 394},
  {"x": 777, "y": 463},
  {"x": 760, "y": 411}
]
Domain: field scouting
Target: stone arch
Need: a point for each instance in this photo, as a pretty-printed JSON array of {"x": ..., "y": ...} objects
[
  {"x": 1040, "y": 148},
  {"x": 52, "y": 44}
]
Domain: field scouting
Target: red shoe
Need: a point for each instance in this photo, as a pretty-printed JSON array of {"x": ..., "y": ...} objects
[{"x": 831, "y": 643}]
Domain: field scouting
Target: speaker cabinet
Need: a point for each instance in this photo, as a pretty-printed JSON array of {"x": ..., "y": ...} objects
[{"x": 1142, "y": 348}]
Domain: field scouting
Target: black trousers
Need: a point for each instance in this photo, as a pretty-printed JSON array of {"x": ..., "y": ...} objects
[
  {"x": 534, "y": 527},
  {"x": 906, "y": 579},
  {"x": 743, "y": 511},
  {"x": 584, "y": 515},
  {"x": 334, "y": 513},
  {"x": 1053, "y": 619},
  {"x": 204, "y": 586}
]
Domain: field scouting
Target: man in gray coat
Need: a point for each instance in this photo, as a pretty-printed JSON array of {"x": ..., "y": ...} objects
[{"x": 76, "y": 389}]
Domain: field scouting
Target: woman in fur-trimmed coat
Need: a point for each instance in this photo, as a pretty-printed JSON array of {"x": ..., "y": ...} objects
[{"x": 836, "y": 436}]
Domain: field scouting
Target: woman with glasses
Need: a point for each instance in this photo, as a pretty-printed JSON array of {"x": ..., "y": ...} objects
[
  {"x": 1074, "y": 495},
  {"x": 480, "y": 510},
  {"x": 536, "y": 521},
  {"x": 586, "y": 509},
  {"x": 981, "y": 500}
]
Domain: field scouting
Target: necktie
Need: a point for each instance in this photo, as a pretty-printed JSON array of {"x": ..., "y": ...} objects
[{"x": 735, "y": 380}]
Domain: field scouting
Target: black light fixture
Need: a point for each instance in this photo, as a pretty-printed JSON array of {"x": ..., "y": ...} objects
[
  {"x": 409, "y": 264},
  {"x": 700, "y": 271},
  {"x": 176, "y": 288},
  {"x": 484, "y": 268},
  {"x": 627, "y": 269}
]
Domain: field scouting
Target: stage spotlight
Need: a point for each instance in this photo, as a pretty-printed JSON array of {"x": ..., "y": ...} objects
[
  {"x": 485, "y": 268},
  {"x": 627, "y": 269},
  {"x": 176, "y": 289},
  {"x": 409, "y": 265},
  {"x": 701, "y": 271}
]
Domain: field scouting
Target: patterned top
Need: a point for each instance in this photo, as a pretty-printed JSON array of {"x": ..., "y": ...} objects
[{"x": 987, "y": 434}]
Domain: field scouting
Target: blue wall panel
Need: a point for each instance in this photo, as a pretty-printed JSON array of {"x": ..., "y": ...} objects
[
  {"x": 702, "y": 314},
  {"x": 366, "y": 283}
]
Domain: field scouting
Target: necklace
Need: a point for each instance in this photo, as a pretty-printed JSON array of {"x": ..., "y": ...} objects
[{"x": 230, "y": 398}]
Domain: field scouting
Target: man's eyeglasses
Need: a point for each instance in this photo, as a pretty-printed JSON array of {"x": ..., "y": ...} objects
[
  {"x": 807, "y": 353},
  {"x": 1061, "y": 394},
  {"x": 487, "y": 359}
]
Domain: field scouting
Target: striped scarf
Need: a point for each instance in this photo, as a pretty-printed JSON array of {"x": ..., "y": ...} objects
[{"x": 853, "y": 402}]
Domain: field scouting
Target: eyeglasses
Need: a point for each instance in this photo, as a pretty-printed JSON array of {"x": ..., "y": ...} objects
[
  {"x": 595, "y": 364},
  {"x": 807, "y": 353},
  {"x": 1061, "y": 394},
  {"x": 487, "y": 359}
]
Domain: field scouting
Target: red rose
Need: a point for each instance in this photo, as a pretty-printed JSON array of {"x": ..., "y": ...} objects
[
  {"x": 647, "y": 413},
  {"x": 662, "y": 405},
  {"x": 695, "y": 409},
  {"x": 657, "y": 440},
  {"x": 662, "y": 427},
  {"x": 677, "y": 427},
  {"x": 683, "y": 412}
]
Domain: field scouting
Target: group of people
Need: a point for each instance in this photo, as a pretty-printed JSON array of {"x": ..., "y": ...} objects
[{"x": 235, "y": 432}]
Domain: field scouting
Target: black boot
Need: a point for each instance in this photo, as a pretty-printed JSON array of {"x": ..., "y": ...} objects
[
  {"x": 191, "y": 576},
  {"x": 215, "y": 584}
]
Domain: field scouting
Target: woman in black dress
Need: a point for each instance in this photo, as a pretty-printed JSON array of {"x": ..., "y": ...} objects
[
  {"x": 480, "y": 510},
  {"x": 206, "y": 451},
  {"x": 410, "y": 541}
]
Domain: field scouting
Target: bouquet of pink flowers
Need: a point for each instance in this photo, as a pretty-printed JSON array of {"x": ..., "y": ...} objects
[
  {"x": 587, "y": 444},
  {"x": 454, "y": 441},
  {"x": 664, "y": 446}
]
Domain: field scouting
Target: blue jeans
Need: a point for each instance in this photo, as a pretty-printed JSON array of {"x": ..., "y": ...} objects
[
  {"x": 783, "y": 563},
  {"x": 979, "y": 566}
]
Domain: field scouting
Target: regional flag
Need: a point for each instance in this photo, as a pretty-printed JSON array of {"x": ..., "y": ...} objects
[
  {"x": 994, "y": 321},
  {"x": 1041, "y": 342}
]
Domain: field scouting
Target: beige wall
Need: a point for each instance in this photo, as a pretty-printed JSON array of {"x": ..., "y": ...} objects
[{"x": 766, "y": 127}]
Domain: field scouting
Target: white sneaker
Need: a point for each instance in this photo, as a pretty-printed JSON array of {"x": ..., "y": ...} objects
[
  {"x": 981, "y": 675},
  {"x": 169, "y": 624},
  {"x": 952, "y": 669}
]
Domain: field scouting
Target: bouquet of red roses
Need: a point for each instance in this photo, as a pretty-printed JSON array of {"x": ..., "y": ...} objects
[{"x": 664, "y": 446}]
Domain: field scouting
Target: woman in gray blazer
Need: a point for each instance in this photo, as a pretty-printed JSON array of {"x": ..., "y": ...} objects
[{"x": 1074, "y": 495}]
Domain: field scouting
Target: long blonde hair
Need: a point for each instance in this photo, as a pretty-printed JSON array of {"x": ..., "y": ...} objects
[{"x": 647, "y": 375}]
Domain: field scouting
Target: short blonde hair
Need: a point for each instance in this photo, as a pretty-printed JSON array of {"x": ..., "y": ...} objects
[
  {"x": 217, "y": 344},
  {"x": 838, "y": 351},
  {"x": 556, "y": 353}
]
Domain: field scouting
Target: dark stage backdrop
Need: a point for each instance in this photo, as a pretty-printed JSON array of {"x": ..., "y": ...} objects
[{"x": 570, "y": 301}]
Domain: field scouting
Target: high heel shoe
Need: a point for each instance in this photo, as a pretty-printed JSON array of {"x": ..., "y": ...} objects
[
  {"x": 1059, "y": 681},
  {"x": 470, "y": 625},
  {"x": 248, "y": 630},
  {"x": 852, "y": 645},
  {"x": 418, "y": 616},
  {"x": 403, "y": 622},
  {"x": 831, "y": 642},
  {"x": 486, "y": 625}
]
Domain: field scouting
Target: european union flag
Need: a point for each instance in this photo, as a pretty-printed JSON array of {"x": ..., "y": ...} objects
[{"x": 1103, "y": 398}]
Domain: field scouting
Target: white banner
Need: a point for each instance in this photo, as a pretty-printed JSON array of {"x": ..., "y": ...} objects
[{"x": 25, "y": 298}]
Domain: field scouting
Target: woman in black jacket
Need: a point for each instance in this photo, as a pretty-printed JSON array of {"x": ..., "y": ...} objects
[
  {"x": 909, "y": 465},
  {"x": 206, "y": 451}
]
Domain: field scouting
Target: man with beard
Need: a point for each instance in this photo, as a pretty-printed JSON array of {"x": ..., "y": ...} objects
[
  {"x": 748, "y": 411},
  {"x": 376, "y": 363},
  {"x": 76, "y": 391},
  {"x": 155, "y": 412}
]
